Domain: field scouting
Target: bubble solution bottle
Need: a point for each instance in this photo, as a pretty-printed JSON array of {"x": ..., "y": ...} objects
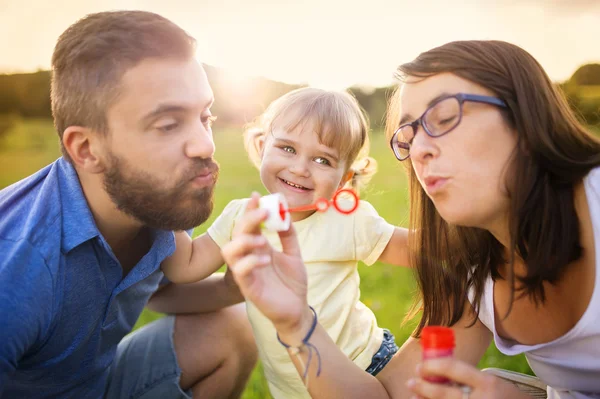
[{"x": 437, "y": 342}]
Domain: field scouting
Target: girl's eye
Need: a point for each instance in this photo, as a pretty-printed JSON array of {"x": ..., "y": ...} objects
[
  {"x": 289, "y": 149},
  {"x": 322, "y": 161}
]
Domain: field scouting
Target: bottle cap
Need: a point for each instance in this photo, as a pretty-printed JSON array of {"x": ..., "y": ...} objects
[
  {"x": 437, "y": 337},
  {"x": 279, "y": 218}
]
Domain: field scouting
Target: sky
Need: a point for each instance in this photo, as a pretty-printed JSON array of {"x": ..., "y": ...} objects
[{"x": 324, "y": 43}]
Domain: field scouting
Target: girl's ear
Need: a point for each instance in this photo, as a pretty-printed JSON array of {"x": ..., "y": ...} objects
[{"x": 260, "y": 145}]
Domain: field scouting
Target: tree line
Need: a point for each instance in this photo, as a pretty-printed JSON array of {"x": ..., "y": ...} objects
[{"x": 239, "y": 100}]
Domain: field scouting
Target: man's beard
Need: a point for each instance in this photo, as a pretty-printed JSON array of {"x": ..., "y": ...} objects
[{"x": 140, "y": 195}]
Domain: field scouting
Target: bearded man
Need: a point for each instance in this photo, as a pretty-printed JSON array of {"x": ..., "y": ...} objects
[{"x": 82, "y": 239}]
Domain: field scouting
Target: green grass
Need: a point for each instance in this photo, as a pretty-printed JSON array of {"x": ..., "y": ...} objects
[{"x": 386, "y": 289}]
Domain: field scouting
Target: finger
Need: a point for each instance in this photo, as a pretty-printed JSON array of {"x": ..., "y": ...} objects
[
  {"x": 429, "y": 390},
  {"x": 250, "y": 222},
  {"x": 453, "y": 369},
  {"x": 248, "y": 264},
  {"x": 253, "y": 203},
  {"x": 289, "y": 242},
  {"x": 241, "y": 246}
]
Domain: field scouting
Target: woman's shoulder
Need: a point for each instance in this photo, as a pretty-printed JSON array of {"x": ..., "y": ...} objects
[
  {"x": 485, "y": 306},
  {"x": 591, "y": 185},
  {"x": 593, "y": 179}
]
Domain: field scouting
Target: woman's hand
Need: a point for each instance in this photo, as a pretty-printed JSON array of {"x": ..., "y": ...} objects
[
  {"x": 275, "y": 282},
  {"x": 471, "y": 383}
]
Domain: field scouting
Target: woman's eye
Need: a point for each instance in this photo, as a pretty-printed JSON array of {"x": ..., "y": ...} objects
[
  {"x": 289, "y": 149},
  {"x": 447, "y": 121},
  {"x": 402, "y": 145}
]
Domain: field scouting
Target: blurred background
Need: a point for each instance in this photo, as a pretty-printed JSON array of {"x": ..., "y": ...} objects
[{"x": 255, "y": 51}]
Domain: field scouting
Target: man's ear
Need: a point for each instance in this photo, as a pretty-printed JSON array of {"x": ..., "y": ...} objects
[{"x": 85, "y": 147}]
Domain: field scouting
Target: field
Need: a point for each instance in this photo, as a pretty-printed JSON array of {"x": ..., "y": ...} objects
[{"x": 388, "y": 290}]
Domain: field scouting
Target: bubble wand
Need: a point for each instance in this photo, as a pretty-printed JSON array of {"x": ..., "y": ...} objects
[{"x": 279, "y": 218}]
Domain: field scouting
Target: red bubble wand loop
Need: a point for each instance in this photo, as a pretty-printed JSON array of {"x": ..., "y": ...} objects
[{"x": 322, "y": 204}]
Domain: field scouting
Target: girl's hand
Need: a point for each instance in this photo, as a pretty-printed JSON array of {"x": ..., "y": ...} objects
[
  {"x": 275, "y": 282},
  {"x": 471, "y": 383}
]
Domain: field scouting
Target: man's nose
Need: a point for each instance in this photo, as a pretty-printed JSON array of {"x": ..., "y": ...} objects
[{"x": 200, "y": 144}]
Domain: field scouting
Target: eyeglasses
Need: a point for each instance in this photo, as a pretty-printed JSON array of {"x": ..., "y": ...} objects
[{"x": 439, "y": 119}]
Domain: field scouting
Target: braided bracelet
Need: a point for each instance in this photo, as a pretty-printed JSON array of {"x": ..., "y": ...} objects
[{"x": 295, "y": 350}]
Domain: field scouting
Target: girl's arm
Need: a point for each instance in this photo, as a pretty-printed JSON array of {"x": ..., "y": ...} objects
[
  {"x": 396, "y": 252},
  {"x": 193, "y": 260},
  {"x": 276, "y": 283},
  {"x": 341, "y": 378}
]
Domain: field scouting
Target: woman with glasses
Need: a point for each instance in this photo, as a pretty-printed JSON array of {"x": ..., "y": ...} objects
[{"x": 504, "y": 235}]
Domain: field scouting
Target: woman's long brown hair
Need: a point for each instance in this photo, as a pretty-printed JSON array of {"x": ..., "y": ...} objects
[{"x": 554, "y": 152}]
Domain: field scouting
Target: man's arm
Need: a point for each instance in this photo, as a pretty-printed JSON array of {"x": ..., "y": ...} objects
[
  {"x": 396, "y": 252},
  {"x": 26, "y": 300},
  {"x": 208, "y": 295}
]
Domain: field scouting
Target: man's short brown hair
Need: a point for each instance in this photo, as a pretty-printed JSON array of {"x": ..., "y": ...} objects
[{"x": 93, "y": 54}]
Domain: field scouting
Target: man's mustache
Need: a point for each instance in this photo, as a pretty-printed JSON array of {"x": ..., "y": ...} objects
[{"x": 201, "y": 167}]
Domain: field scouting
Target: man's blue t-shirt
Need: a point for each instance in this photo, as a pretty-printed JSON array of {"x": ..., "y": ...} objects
[{"x": 64, "y": 304}]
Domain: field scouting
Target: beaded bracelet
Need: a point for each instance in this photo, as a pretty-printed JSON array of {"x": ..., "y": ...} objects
[{"x": 295, "y": 350}]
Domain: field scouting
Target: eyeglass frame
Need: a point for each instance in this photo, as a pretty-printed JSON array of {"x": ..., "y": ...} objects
[{"x": 461, "y": 98}]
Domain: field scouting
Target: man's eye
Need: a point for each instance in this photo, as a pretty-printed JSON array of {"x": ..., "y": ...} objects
[{"x": 168, "y": 127}]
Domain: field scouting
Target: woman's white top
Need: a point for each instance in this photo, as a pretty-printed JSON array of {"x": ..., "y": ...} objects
[{"x": 569, "y": 365}]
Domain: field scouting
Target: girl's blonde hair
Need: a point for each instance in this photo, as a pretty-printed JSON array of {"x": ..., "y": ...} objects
[{"x": 335, "y": 116}]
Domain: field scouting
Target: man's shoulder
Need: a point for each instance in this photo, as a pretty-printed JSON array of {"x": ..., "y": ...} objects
[
  {"x": 30, "y": 207},
  {"x": 21, "y": 258},
  {"x": 27, "y": 279}
]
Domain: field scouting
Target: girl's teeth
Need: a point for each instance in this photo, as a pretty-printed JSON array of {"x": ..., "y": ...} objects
[{"x": 293, "y": 185}]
